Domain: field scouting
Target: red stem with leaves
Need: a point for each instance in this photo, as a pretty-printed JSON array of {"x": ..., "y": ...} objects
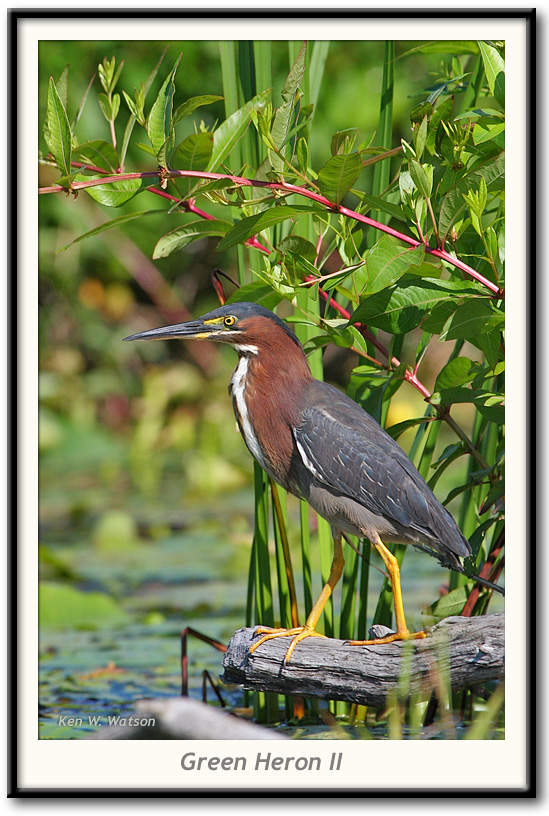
[{"x": 290, "y": 189}]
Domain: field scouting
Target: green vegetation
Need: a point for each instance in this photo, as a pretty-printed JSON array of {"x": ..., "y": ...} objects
[{"x": 357, "y": 188}]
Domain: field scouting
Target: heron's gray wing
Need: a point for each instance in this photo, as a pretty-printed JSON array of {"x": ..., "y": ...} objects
[{"x": 347, "y": 451}]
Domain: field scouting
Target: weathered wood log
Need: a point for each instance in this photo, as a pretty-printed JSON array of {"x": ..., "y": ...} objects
[
  {"x": 471, "y": 650},
  {"x": 181, "y": 718}
]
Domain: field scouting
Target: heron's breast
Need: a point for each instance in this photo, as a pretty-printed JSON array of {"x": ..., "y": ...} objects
[{"x": 261, "y": 421}]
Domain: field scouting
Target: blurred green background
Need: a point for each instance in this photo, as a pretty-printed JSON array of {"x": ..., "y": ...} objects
[{"x": 145, "y": 485}]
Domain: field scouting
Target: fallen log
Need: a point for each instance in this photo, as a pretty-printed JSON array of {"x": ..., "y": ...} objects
[{"x": 470, "y": 650}]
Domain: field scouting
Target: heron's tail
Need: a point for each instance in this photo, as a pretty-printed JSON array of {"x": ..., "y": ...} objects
[{"x": 489, "y": 584}]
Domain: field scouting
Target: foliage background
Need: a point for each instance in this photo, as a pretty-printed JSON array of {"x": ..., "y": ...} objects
[{"x": 145, "y": 486}]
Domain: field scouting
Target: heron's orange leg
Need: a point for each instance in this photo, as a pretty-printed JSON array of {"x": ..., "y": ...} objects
[
  {"x": 402, "y": 632},
  {"x": 308, "y": 630}
]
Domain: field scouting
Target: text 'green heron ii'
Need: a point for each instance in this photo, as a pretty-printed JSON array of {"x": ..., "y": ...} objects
[{"x": 321, "y": 446}]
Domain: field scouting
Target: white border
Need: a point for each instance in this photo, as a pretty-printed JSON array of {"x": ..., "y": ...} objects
[{"x": 133, "y": 765}]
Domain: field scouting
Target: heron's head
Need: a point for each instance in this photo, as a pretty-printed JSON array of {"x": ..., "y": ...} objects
[{"x": 248, "y": 327}]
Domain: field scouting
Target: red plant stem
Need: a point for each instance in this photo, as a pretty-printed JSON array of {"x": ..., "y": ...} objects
[
  {"x": 409, "y": 376},
  {"x": 290, "y": 188},
  {"x": 190, "y": 206},
  {"x": 491, "y": 572}
]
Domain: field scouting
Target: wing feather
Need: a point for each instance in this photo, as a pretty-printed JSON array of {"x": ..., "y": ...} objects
[{"x": 348, "y": 452}]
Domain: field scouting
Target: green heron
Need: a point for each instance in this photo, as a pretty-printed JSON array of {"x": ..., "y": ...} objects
[{"x": 321, "y": 446}]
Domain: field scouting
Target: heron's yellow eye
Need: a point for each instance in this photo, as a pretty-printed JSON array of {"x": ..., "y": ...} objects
[{"x": 229, "y": 320}]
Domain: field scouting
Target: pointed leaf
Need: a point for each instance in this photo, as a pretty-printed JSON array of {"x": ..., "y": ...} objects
[
  {"x": 453, "y": 205},
  {"x": 57, "y": 131},
  {"x": 458, "y": 371},
  {"x": 62, "y": 86},
  {"x": 82, "y": 103},
  {"x": 132, "y": 120},
  {"x": 493, "y": 63},
  {"x": 99, "y": 153},
  {"x": 115, "y": 222},
  {"x": 387, "y": 261},
  {"x": 257, "y": 292},
  {"x": 283, "y": 117},
  {"x": 105, "y": 106},
  {"x": 232, "y": 129},
  {"x": 192, "y": 104},
  {"x": 450, "y": 604},
  {"x": 255, "y": 223},
  {"x": 194, "y": 152},
  {"x": 421, "y": 178},
  {"x": 338, "y": 175},
  {"x": 180, "y": 237},
  {"x": 112, "y": 195},
  {"x": 159, "y": 120},
  {"x": 404, "y": 306}
]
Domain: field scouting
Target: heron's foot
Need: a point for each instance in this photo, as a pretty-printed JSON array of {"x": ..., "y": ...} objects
[
  {"x": 388, "y": 639},
  {"x": 297, "y": 633}
]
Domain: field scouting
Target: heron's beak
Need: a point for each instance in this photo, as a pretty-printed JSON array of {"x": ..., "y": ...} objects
[{"x": 195, "y": 329}]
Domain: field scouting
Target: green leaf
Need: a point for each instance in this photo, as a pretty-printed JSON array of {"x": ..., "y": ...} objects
[
  {"x": 180, "y": 237},
  {"x": 479, "y": 322},
  {"x": 283, "y": 117},
  {"x": 476, "y": 316},
  {"x": 443, "y": 47},
  {"x": 343, "y": 141},
  {"x": 420, "y": 138},
  {"x": 338, "y": 175},
  {"x": 131, "y": 104},
  {"x": 115, "y": 106},
  {"x": 115, "y": 222},
  {"x": 229, "y": 133},
  {"x": 192, "y": 104},
  {"x": 257, "y": 292},
  {"x": 159, "y": 120},
  {"x": 422, "y": 179},
  {"x": 82, "y": 103},
  {"x": 458, "y": 371},
  {"x": 112, "y": 195},
  {"x": 485, "y": 131},
  {"x": 194, "y": 152},
  {"x": 378, "y": 203},
  {"x": 253, "y": 224},
  {"x": 442, "y": 111},
  {"x": 62, "y": 86},
  {"x": 132, "y": 120},
  {"x": 450, "y": 604},
  {"x": 105, "y": 106},
  {"x": 453, "y": 205},
  {"x": 404, "y": 306},
  {"x": 493, "y": 63},
  {"x": 146, "y": 149},
  {"x": 57, "y": 131},
  {"x": 386, "y": 262},
  {"x": 99, "y": 153},
  {"x": 296, "y": 245},
  {"x": 400, "y": 427}
]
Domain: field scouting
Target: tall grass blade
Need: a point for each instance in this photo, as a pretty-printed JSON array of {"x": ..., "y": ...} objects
[
  {"x": 384, "y": 134},
  {"x": 268, "y": 703},
  {"x": 305, "y": 538},
  {"x": 317, "y": 64},
  {"x": 481, "y": 726},
  {"x": 365, "y": 550},
  {"x": 286, "y": 582},
  {"x": 349, "y": 595}
]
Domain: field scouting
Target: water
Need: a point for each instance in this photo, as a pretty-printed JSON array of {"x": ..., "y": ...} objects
[{"x": 188, "y": 567}]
